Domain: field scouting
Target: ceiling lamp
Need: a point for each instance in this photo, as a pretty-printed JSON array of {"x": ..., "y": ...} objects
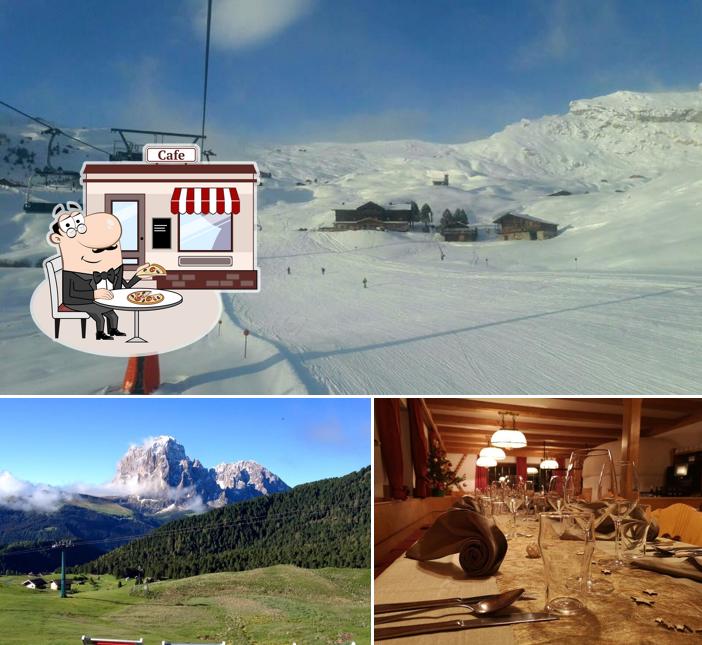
[
  {"x": 547, "y": 463},
  {"x": 493, "y": 453},
  {"x": 532, "y": 470},
  {"x": 508, "y": 438},
  {"x": 486, "y": 462}
]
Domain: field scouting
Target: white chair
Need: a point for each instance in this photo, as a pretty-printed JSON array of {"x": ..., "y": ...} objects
[
  {"x": 170, "y": 643},
  {"x": 59, "y": 311},
  {"x": 88, "y": 640}
]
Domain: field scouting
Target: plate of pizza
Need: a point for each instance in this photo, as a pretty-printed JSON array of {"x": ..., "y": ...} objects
[
  {"x": 151, "y": 269},
  {"x": 145, "y": 297}
]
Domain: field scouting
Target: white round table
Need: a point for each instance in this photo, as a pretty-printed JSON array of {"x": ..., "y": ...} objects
[{"x": 170, "y": 299}]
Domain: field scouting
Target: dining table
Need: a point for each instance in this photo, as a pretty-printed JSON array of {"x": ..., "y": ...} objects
[
  {"x": 120, "y": 301},
  {"x": 640, "y": 610}
]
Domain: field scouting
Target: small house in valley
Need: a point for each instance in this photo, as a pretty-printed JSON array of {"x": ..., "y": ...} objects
[
  {"x": 459, "y": 232},
  {"x": 34, "y": 583},
  {"x": 56, "y": 585},
  {"x": 520, "y": 226},
  {"x": 372, "y": 216}
]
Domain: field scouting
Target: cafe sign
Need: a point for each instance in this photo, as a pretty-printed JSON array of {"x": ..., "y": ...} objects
[{"x": 186, "y": 153}]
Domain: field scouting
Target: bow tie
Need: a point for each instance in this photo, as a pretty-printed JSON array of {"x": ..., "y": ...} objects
[{"x": 109, "y": 275}]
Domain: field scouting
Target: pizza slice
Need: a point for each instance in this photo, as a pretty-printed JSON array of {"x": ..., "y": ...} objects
[{"x": 151, "y": 269}]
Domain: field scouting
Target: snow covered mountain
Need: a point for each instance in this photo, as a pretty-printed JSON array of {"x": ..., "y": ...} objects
[{"x": 159, "y": 475}]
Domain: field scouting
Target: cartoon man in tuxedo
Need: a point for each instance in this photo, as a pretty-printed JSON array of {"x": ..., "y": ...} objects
[{"x": 92, "y": 263}]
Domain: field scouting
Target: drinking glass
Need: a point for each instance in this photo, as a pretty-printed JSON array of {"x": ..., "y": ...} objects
[
  {"x": 634, "y": 532},
  {"x": 620, "y": 491},
  {"x": 587, "y": 471},
  {"x": 565, "y": 541}
]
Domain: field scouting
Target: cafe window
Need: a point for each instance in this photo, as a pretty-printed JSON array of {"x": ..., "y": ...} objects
[
  {"x": 205, "y": 232},
  {"x": 205, "y": 217}
]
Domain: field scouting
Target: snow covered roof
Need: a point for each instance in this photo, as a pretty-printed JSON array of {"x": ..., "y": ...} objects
[{"x": 399, "y": 207}]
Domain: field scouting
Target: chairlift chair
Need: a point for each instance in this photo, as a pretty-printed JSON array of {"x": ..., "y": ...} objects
[{"x": 47, "y": 179}]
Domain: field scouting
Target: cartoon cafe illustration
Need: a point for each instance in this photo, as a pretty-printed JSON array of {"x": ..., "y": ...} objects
[
  {"x": 197, "y": 220},
  {"x": 189, "y": 226}
]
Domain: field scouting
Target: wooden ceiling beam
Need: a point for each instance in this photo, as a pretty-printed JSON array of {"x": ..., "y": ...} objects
[
  {"x": 453, "y": 406},
  {"x": 477, "y": 447},
  {"x": 536, "y": 440},
  {"x": 526, "y": 424},
  {"x": 609, "y": 433},
  {"x": 679, "y": 424}
]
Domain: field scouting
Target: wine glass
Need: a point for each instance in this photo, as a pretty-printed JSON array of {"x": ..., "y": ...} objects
[
  {"x": 587, "y": 476},
  {"x": 514, "y": 498},
  {"x": 528, "y": 497},
  {"x": 620, "y": 491},
  {"x": 555, "y": 492}
]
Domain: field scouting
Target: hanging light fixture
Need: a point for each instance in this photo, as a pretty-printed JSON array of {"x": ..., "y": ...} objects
[
  {"x": 547, "y": 463},
  {"x": 506, "y": 437},
  {"x": 486, "y": 462},
  {"x": 491, "y": 452},
  {"x": 532, "y": 470}
]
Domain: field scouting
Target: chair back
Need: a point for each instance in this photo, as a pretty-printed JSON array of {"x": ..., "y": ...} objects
[
  {"x": 680, "y": 521},
  {"x": 52, "y": 267}
]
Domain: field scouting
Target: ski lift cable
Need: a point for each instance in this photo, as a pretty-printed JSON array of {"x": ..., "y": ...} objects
[
  {"x": 207, "y": 66},
  {"x": 170, "y": 532},
  {"x": 48, "y": 125}
]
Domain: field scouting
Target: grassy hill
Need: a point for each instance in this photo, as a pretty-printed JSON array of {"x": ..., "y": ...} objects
[
  {"x": 321, "y": 524},
  {"x": 275, "y": 605}
]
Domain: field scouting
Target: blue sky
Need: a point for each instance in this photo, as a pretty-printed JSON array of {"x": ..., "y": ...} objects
[
  {"x": 303, "y": 70},
  {"x": 62, "y": 441}
]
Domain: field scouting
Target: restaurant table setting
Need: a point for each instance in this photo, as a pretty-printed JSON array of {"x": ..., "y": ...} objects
[{"x": 463, "y": 581}]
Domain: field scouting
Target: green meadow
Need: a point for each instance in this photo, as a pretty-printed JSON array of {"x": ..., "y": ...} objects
[{"x": 277, "y": 605}]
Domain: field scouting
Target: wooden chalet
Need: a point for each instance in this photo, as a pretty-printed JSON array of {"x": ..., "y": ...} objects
[
  {"x": 34, "y": 583},
  {"x": 520, "y": 226},
  {"x": 460, "y": 233},
  {"x": 372, "y": 216}
]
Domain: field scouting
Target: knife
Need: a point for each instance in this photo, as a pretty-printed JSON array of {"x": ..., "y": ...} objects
[
  {"x": 457, "y": 625},
  {"x": 439, "y": 603}
]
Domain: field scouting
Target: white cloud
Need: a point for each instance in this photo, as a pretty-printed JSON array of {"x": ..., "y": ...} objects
[
  {"x": 24, "y": 496},
  {"x": 238, "y": 24}
]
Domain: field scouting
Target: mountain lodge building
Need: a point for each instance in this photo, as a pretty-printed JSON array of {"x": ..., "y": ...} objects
[
  {"x": 520, "y": 226},
  {"x": 372, "y": 216}
]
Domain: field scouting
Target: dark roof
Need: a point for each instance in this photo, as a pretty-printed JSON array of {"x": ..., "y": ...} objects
[
  {"x": 369, "y": 205},
  {"x": 168, "y": 168},
  {"x": 523, "y": 216},
  {"x": 36, "y": 581}
]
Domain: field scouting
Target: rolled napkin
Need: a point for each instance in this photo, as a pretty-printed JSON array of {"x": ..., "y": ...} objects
[{"x": 477, "y": 539}]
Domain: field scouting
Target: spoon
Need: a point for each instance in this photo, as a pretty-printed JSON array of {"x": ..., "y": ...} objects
[{"x": 483, "y": 607}]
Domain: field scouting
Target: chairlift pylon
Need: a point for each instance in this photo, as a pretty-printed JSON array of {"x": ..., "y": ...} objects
[{"x": 133, "y": 151}]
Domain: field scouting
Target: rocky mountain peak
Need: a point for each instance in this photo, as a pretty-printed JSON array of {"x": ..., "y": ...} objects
[{"x": 161, "y": 471}]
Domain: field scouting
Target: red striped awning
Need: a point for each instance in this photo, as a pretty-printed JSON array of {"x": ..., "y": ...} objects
[{"x": 204, "y": 201}]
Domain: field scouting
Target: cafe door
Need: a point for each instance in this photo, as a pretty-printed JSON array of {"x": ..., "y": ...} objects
[{"x": 129, "y": 209}]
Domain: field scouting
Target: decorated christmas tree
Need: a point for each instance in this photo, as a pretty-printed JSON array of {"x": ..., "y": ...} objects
[{"x": 441, "y": 474}]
